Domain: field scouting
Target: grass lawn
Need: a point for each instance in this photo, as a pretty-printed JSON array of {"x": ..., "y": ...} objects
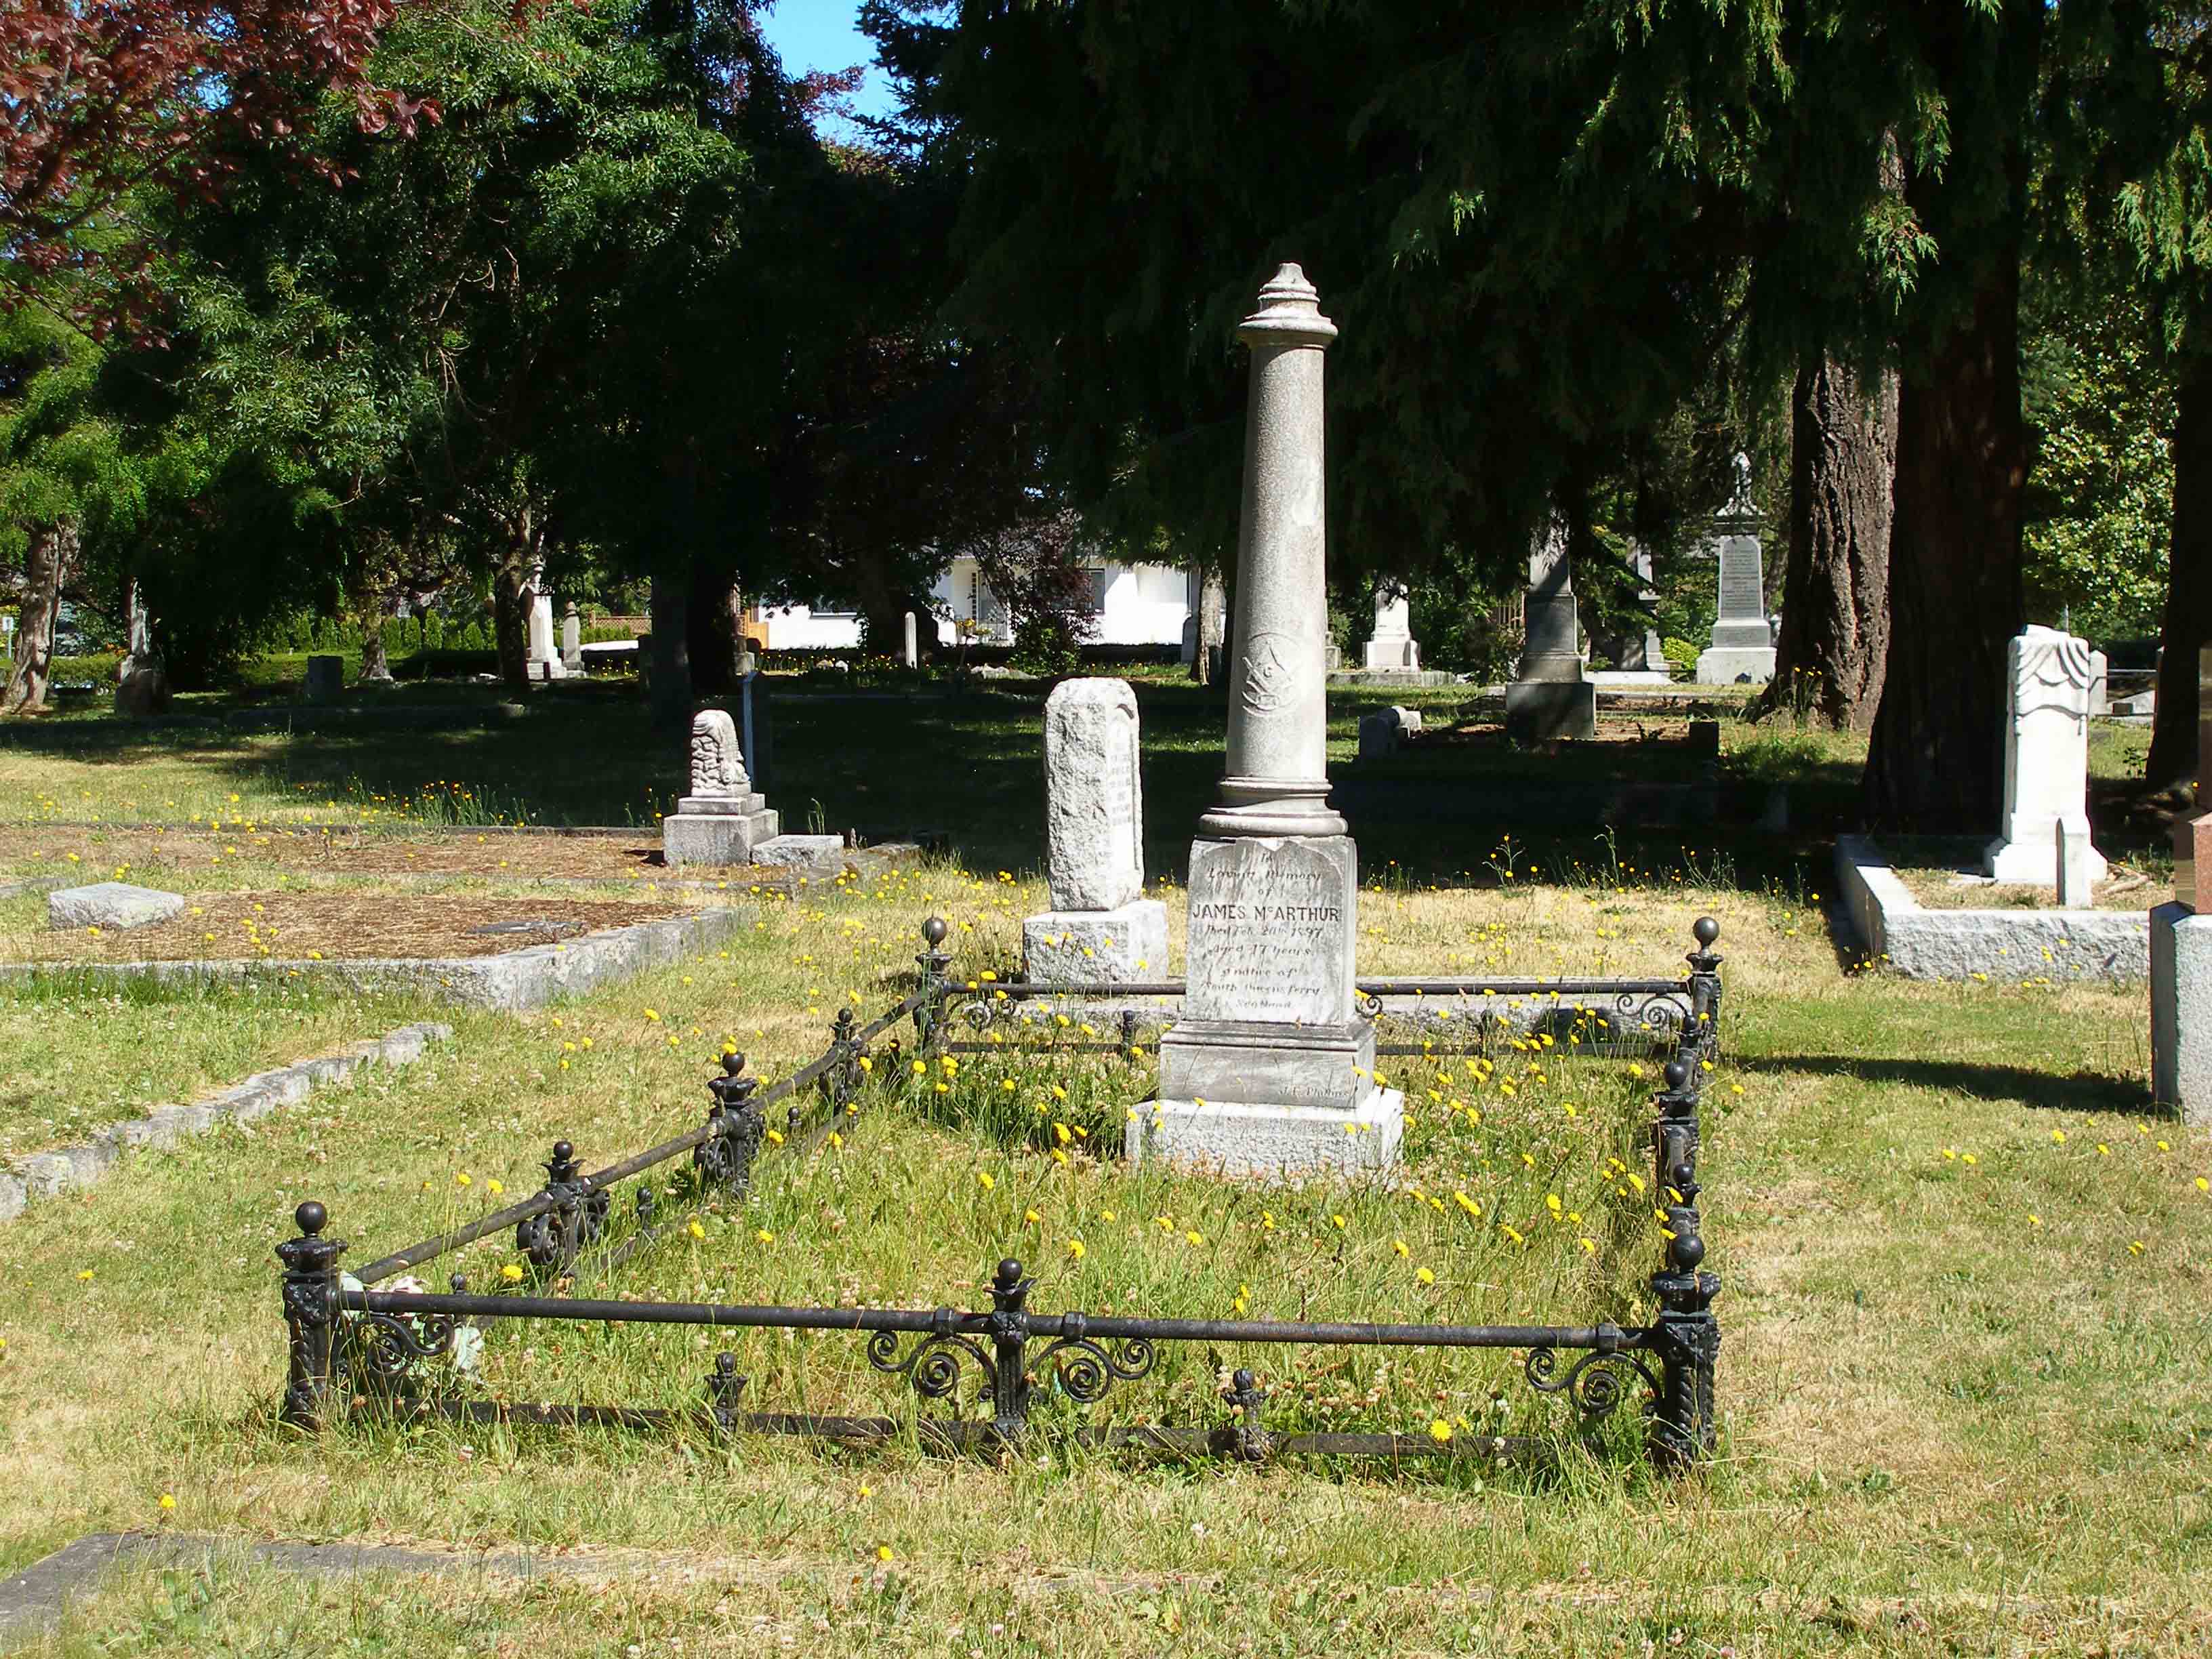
[{"x": 1968, "y": 1295}]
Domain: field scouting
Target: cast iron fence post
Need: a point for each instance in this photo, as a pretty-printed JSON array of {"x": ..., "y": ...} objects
[
  {"x": 1009, "y": 1326},
  {"x": 1688, "y": 1336},
  {"x": 936, "y": 965},
  {"x": 311, "y": 1312},
  {"x": 1705, "y": 991},
  {"x": 735, "y": 1127}
]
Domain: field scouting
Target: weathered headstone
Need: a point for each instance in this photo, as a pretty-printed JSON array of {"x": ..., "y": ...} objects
[
  {"x": 1550, "y": 697},
  {"x": 326, "y": 678},
  {"x": 2047, "y": 758},
  {"x": 1392, "y": 644},
  {"x": 2181, "y": 947},
  {"x": 2075, "y": 878},
  {"x": 544, "y": 658},
  {"x": 572, "y": 641},
  {"x": 1271, "y": 1070},
  {"x": 910, "y": 647},
  {"x": 142, "y": 681},
  {"x": 1646, "y": 653},
  {"x": 1094, "y": 844},
  {"x": 1743, "y": 643},
  {"x": 114, "y": 904},
  {"x": 722, "y": 819}
]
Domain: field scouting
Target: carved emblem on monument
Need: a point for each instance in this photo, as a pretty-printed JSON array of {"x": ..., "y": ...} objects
[
  {"x": 1268, "y": 680},
  {"x": 2054, "y": 672}
]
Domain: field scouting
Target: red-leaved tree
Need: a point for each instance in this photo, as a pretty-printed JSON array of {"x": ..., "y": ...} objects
[{"x": 101, "y": 97}]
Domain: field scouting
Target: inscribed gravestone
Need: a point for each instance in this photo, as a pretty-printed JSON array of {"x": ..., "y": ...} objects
[
  {"x": 2047, "y": 758},
  {"x": 1270, "y": 932}
]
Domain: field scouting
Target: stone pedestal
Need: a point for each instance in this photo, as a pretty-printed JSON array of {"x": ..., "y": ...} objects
[
  {"x": 1097, "y": 947},
  {"x": 2046, "y": 758},
  {"x": 1543, "y": 711},
  {"x": 716, "y": 830},
  {"x": 2181, "y": 1012}
]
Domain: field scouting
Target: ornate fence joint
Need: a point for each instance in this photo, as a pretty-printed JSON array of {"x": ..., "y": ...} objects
[
  {"x": 724, "y": 1385},
  {"x": 311, "y": 1312},
  {"x": 936, "y": 965},
  {"x": 1250, "y": 1442},
  {"x": 1687, "y": 1337},
  {"x": 1704, "y": 1021},
  {"x": 735, "y": 1129},
  {"x": 1009, "y": 1328},
  {"x": 575, "y": 1221}
]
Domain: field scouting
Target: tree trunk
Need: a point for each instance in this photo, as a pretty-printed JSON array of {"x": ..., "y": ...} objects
[
  {"x": 669, "y": 695},
  {"x": 2188, "y": 625},
  {"x": 46, "y": 567},
  {"x": 510, "y": 603},
  {"x": 715, "y": 627},
  {"x": 1935, "y": 764},
  {"x": 1835, "y": 585}
]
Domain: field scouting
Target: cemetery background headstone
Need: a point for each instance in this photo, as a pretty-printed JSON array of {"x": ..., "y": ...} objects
[
  {"x": 1101, "y": 927},
  {"x": 1647, "y": 653},
  {"x": 2100, "y": 690},
  {"x": 544, "y": 659},
  {"x": 326, "y": 678},
  {"x": 2181, "y": 947},
  {"x": 756, "y": 728},
  {"x": 1550, "y": 696},
  {"x": 1269, "y": 1070},
  {"x": 1392, "y": 644},
  {"x": 572, "y": 641},
  {"x": 723, "y": 817},
  {"x": 910, "y": 647},
  {"x": 1743, "y": 642},
  {"x": 2046, "y": 758},
  {"x": 142, "y": 681}
]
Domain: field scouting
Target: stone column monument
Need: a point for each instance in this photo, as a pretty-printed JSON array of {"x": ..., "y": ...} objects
[
  {"x": 722, "y": 820},
  {"x": 544, "y": 655},
  {"x": 572, "y": 641},
  {"x": 1647, "y": 655},
  {"x": 1550, "y": 697},
  {"x": 2046, "y": 759},
  {"x": 1101, "y": 926},
  {"x": 1392, "y": 643},
  {"x": 2181, "y": 947},
  {"x": 1743, "y": 644},
  {"x": 1270, "y": 1069}
]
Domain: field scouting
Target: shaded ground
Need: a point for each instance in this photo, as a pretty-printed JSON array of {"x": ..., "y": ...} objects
[{"x": 319, "y": 924}]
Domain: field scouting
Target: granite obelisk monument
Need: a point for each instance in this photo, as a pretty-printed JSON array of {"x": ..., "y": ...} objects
[{"x": 1269, "y": 1071}]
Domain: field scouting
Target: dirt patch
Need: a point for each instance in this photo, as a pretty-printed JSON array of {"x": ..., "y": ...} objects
[
  {"x": 317, "y": 926},
  {"x": 149, "y": 855},
  {"x": 1939, "y": 888}
]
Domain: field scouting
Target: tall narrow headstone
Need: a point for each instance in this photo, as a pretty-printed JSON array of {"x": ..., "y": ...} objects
[
  {"x": 1550, "y": 697},
  {"x": 1647, "y": 654},
  {"x": 910, "y": 647},
  {"x": 2181, "y": 947},
  {"x": 1743, "y": 642},
  {"x": 1270, "y": 1070},
  {"x": 1392, "y": 644},
  {"x": 1101, "y": 926},
  {"x": 722, "y": 819},
  {"x": 2047, "y": 758},
  {"x": 572, "y": 641}
]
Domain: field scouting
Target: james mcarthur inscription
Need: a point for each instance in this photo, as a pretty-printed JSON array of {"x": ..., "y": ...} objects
[{"x": 1270, "y": 932}]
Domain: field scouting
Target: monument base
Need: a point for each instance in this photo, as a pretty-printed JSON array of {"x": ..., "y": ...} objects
[
  {"x": 2181, "y": 1012},
  {"x": 1398, "y": 653},
  {"x": 1097, "y": 947},
  {"x": 691, "y": 834},
  {"x": 547, "y": 668},
  {"x": 1541, "y": 711},
  {"x": 1229, "y": 1138},
  {"x": 1730, "y": 665},
  {"x": 2035, "y": 859}
]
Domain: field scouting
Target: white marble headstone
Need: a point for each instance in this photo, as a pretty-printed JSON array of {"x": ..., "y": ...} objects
[
  {"x": 2046, "y": 774},
  {"x": 1094, "y": 796}
]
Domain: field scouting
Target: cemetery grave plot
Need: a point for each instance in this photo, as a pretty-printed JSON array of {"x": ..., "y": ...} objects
[
  {"x": 323, "y": 925},
  {"x": 1931, "y": 867},
  {"x": 152, "y": 854}
]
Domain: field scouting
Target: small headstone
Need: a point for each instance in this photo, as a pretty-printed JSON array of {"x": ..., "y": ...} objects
[
  {"x": 115, "y": 904},
  {"x": 2046, "y": 757},
  {"x": 910, "y": 649},
  {"x": 723, "y": 818},
  {"x": 572, "y": 641},
  {"x": 326, "y": 678},
  {"x": 793, "y": 850},
  {"x": 1378, "y": 734},
  {"x": 2076, "y": 884},
  {"x": 1549, "y": 697},
  {"x": 2143, "y": 703},
  {"x": 2100, "y": 689},
  {"x": 1392, "y": 644},
  {"x": 1705, "y": 739}
]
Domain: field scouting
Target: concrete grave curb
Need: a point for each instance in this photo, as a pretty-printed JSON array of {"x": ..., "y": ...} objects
[
  {"x": 13, "y": 889},
  {"x": 45, "y": 1175},
  {"x": 1897, "y": 933},
  {"x": 514, "y": 981}
]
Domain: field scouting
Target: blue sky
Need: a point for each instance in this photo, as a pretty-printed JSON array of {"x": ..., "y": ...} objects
[{"x": 823, "y": 34}]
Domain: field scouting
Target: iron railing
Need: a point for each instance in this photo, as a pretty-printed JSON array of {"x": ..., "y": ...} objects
[{"x": 347, "y": 1343}]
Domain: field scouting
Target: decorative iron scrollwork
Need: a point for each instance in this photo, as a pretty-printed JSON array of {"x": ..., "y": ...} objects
[
  {"x": 932, "y": 1366},
  {"x": 1596, "y": 1383},
  {"x": 1086, "y": 1368}
]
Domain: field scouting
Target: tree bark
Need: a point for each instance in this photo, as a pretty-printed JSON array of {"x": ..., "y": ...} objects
[
  {"x": 510, "y": 602},
  {"x": 1835, "y": 586},
  {"x": 46, "y": 566},
  {"x": 1211, "y": 619},
  {"x": 715, "y": 631},
  {"x": 2187, "y": 628},
  {"x": 669, "y": 695},
  {"x": 1935, "y": 763}
]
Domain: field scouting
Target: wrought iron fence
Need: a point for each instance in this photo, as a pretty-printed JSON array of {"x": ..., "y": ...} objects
[{"x": 349, "y": 1341}]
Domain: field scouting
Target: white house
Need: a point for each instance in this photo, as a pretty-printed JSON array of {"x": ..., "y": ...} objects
[{"x": 1133, "y": 603}]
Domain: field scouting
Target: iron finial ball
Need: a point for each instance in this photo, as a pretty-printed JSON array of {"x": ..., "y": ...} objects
[
  {"x": 732, "y": 1064},
  {"x": 563, "y": 1151},
  {"x": 1678, "y": 1073},
  {"x": 934, "y": 931},
  {"x": 1244, "y": 1381},
  {"x": 1706, "y": 930},
  {"x": 311, "y": 1217},
  {"x": 1688, "y": 1251},
  {"x": 1010, "y": 1273},
  {"x": 726, "y": 1363}
]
